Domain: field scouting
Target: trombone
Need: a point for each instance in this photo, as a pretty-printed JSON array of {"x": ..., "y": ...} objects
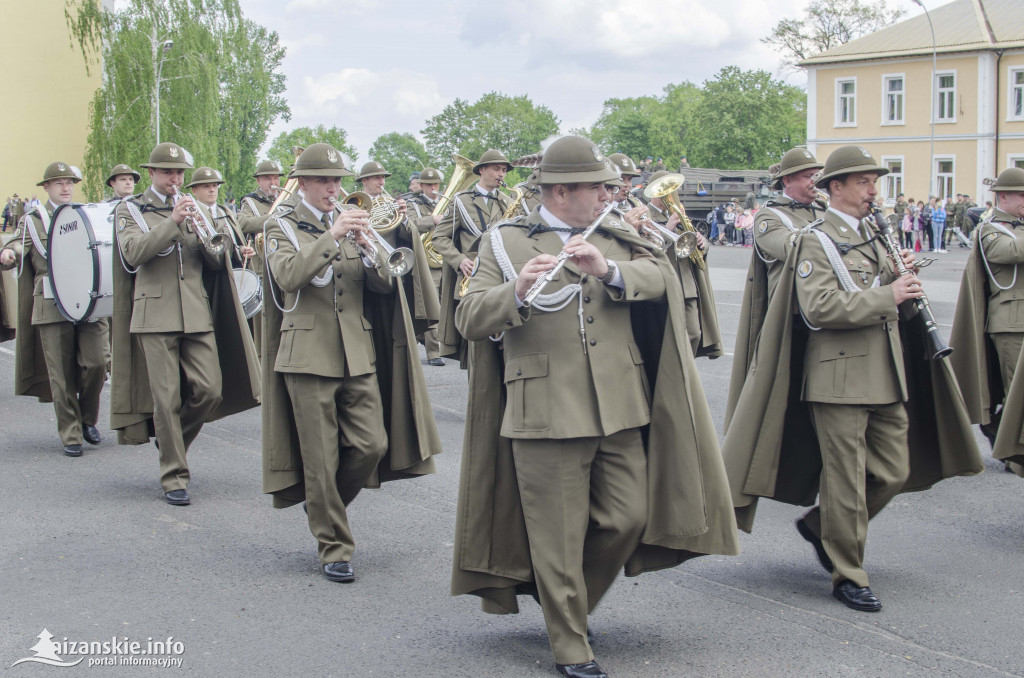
[
  {"x": 396, "y": 261},
  {"x": 686, "y": 242}
]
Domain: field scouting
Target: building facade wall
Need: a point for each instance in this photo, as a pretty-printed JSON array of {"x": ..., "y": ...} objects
[{"x": 47, "y": 116}]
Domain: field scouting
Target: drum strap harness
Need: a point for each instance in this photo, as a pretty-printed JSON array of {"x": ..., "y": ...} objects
[{"x": 981, "y": 248}]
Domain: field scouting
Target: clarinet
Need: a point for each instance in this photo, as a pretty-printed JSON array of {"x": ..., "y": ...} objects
[
  {"x": 541, "y": 282},
  {"x": 936, "y": 344}
]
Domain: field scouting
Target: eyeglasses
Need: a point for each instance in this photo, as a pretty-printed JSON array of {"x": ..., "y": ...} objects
[{"x": 614, "y": 190}]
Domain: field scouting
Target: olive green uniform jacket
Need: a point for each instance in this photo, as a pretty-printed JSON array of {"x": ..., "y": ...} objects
[
  {"x": 770, "y": 447},
  {"x": 413, "y": 439},
  {"x": 688, "y": 512},
  {"x": 420, "y": 209},
  {"x": 456, "y": 237},
  {"x": 974, "y": 357},
  {"x": 131, "y": 401}
]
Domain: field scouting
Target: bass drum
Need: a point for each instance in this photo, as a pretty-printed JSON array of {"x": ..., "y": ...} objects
[
  {"x": 250, "y": 293},
  {"x": 81, "y": 257}
]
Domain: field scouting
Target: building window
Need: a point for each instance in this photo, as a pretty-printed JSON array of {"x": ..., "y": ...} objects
[
  {"x": 1016, "y": 161},
  {"x": 892, "y": 183},
  {"x": 945, "y": 97},
  {"x": 892, "y": 100},
  {"x": 1017, "y": 94},
  {"x": 846, "y": 103},
  {"x": 944, "y": 168}
]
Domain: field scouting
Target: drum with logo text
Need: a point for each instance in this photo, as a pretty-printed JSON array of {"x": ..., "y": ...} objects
[{"x": 81, "y": 242}]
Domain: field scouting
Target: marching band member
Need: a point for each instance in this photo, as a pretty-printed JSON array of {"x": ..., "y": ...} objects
[
  {"x": 175, "y": 299},
  {"x": 586, "y": 455},
  {"x": 122, "y": 179},
  {"x": 774, "y": 228},
  {"x": 252, "y": 212},
  {"x": 57, "y": 359},
  {"x": 457, "y": 237},
  {"x": 352, "y": 395},
  {"x": 987, "y": 330},
  {"x": 701, "y": 315},
  {"x": 829, "y": 416},
  {"x": 205, "y": 187},
  {"x": 422, "y": 205}
]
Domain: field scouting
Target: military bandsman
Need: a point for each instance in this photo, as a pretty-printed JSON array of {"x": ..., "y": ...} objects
[
  {"x": 57, "y": 359},
  {"x": 121, "y": 180}
]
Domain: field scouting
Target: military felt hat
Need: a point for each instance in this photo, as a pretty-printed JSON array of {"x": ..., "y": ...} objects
[
  {"x": 848, "y": 160},
  {"x": 169, "y": 155},
  {"x": 120, "y": 169},
  {"x": 320, "y": 160},
  {"x": 492, "y": 157},
  {"x": 624, "y": 164},
  {"x": 795, "y": 160},
  {"x": 618, "y": 180},
  {"x": 575, "y": 160},
  {"x": 372, "y": 169},
  {"x": 1010, "y": 179},
  {"x": 429, "y": 175},
  {"x": 268, "y": 168},
  {"x": 205, "y": 175},
  {"x": 61, "y": 170}
]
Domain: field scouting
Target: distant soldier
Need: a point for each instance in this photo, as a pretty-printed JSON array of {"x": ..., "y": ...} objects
[
  {"x": 57, "y": 359},
  {"x": 421, "y": 207},
  {"x": 251, "y": 214}
]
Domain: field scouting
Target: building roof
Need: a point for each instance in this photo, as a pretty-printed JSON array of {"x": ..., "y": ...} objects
[{"x": 960, "y": 26}]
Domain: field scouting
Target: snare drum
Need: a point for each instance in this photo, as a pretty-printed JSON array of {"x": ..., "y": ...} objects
[
  {"x": 250, "y": 294},
  {"x": 81, "y": 257}
]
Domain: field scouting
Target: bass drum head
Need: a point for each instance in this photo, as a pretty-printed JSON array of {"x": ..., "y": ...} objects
[{"x": 76, "y": 267}]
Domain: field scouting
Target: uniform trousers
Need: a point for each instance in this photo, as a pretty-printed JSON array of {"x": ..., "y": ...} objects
[
  {"x": 1008, "y": 345},
  {"x": 865, "y": 463},
  {"x": 76, "y": 362},
  {"x": 340, "y": 424},
  {"x": 585, "y": 504},
  {"x": 177, "y": 361}
]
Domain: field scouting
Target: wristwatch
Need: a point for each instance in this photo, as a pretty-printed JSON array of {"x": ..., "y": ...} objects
[{"x": 610, "y": 275}]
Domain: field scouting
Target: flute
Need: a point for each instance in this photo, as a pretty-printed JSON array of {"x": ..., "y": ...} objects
[{"x": 541, "y": 282}]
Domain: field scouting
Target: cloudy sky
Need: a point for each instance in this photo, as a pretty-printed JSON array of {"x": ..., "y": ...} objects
[{"x": 388, "y": 65}]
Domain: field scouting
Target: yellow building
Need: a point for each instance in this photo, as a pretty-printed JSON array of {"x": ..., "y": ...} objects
[
  {"x": 877, "y": 91},
  {"x": 45, "y": 116}
]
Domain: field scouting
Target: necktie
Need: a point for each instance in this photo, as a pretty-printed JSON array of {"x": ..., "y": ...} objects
[{"x": 326, "y": 221}]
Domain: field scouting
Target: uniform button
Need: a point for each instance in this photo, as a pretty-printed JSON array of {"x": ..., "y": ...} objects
[
  {"x": 142, "y": 294},
  {"x": 339, "y": 309},
  {"x": 842, "y": 353},
  {"x": 519, "y": 373},
  {"x": 337, "y": 257},
  {"x": 339, "y": 275},
  {"x": 327, "y": 255},
  {"x": 593, "y": 342},
  {"x": 590, "y": 318},
  {"x": 291, "y": 324},
  {"x": 586, "y": 300},
  {"x": 509, "y": 323},
  {"x": 636, "y": 293}
]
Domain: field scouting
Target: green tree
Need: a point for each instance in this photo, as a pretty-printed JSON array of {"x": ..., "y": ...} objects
[
  {"x": 401, "y": 154},
  {"x": 514, "y": 125},
  {"x": 219, "y": 89},
  {"x": 747, "y": 120},
  {"x": 827, "y": 24},
  {"x": 281, "y": 148}
]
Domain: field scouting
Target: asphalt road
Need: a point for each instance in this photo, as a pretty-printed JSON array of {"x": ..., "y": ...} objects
[{"x": 89, "y": 551}]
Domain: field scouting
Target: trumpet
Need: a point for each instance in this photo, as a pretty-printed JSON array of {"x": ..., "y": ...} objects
[
  {"x": 646, "y": 231},
  {"x": 396, "y": 261},
  {"x": 215, "y": 243},
  {"x": 686, "y": 242}
]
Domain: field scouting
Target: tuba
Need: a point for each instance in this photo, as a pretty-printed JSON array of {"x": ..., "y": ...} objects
[
  {"x": 462, "y": 178},
  {"x": 686, "y": 244}
]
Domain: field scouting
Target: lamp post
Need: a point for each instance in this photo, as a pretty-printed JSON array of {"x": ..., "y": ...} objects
[
  {"x": 931, "y": 112},
  {"x": 165, "y": 48}
]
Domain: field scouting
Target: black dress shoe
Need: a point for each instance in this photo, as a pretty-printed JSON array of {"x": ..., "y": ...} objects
[
  {"x": 805, "y": 531},
  {"x": 91, "y": 434},
  {"x": 588, "y": 670},
  {"x": 339, "y": 572},
  {"x": 856, "y": 597},
  {"x": 73, "y": 450},
  {"x": 178, "y": 498},
  {"x": 436, "y": 362}
]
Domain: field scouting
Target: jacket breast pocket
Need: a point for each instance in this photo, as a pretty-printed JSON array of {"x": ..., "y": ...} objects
[
  {"x": 295, "y": 347},
  {"x": 842, "y": 368},
  {"x": 529, "y": 400},
  {"x": 144, "y": 296}
]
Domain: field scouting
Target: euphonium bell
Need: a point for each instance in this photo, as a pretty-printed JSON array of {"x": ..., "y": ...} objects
[{"x": 396, "y": 261}]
